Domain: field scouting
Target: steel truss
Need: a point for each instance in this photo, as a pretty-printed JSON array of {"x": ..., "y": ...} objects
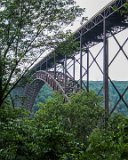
[
  {"x": 63, "y": 83},
  {"x": 105, "y": 24}
]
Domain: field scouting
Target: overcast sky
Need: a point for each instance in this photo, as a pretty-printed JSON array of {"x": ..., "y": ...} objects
[{"x": 92, "y": 7}]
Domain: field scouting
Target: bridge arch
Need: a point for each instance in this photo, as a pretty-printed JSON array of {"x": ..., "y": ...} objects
[{"x": 39, "y": 78}]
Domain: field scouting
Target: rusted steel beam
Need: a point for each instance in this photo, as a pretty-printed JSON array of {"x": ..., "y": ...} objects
[{"x": 105, "y": 70}]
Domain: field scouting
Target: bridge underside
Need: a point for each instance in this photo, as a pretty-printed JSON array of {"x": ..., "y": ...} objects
[
  {"x": 67, "y": 73},
  {"x": 64, "y": 84}
]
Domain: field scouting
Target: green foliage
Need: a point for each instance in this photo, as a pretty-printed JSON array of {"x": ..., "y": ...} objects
[
  {"x": 23, "y": 138},
  {"x": 73, "y": 130},
  {"x": 83, "y": 114},
  {"x": 124, "y": 11},
  {"x": 13, "y": 133},
  {"x": 52, "y": 140},
  {"x": 109, "y": 143},
  {"x": 52, "y": 132},
  {"x": 68, "y": 46},
  {"x": 79, "y": 116}
]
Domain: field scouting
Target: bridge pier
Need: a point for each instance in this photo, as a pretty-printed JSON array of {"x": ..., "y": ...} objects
[
  {"x": 54, "y": 65},
  {"x": 105, "y": 69},
  {"x": 81, "y": 57},
  {"x": 65, "y": 72},
  {"x": 74, "y": 68},
  {"x": 87, "y": 52}
]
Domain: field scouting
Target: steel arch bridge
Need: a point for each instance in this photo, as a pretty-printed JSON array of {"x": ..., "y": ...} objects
[
  {"x": 60, "y": 72},
  {"x": 39, "y": 78}
]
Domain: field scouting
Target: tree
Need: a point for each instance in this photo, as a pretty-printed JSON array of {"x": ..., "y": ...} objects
[
  {"x": 79, "y": 116},
  {"x": 25, "y": 138},
  {"x": 110, "y": 142},
  {"x": 27, "y": 29},
  {"x": 59, "y": 131},
  {"x": 125, "y": 9}
]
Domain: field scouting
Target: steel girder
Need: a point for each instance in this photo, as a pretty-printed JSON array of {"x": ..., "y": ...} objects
[
  {"x": 63, "y": 83},
  {"x": 105, "y": 24}
]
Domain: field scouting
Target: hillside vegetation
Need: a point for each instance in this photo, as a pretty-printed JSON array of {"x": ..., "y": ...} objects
[{"x": 96, "y": 86}]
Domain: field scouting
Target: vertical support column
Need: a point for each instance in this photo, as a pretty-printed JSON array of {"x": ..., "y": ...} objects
[
  {"x": 105, "y": 68},
  {"x": 54, "y": 65},
  {"x": 65, "y": 70},
  {"x": 46, "y": 64},
  {"x": 87, "y": 52},
  {"x": 80, "y": 60},
  {"x": 74, "y": 67}
]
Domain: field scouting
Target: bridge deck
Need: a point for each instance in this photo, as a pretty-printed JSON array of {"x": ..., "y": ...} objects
[{"x": 92, "y": 30}]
